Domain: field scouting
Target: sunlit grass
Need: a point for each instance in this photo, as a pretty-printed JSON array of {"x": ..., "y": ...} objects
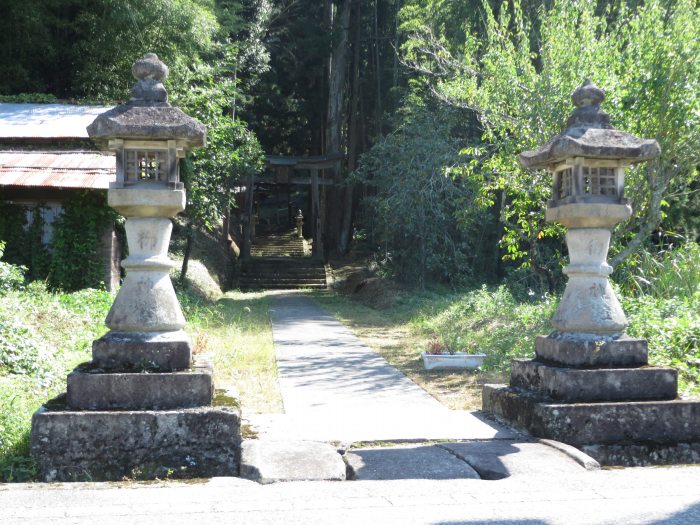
[{"x": 236, "y": 332}]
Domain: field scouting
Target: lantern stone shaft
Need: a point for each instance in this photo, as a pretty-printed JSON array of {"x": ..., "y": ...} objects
[{"x": 588, "y": 162}]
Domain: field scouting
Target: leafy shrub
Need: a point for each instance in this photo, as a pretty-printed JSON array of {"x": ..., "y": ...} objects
[
  {"x": 421, "y": 217},
  {"x": 25, "y": 98},
  {"x": 13, "y": 220},
  {"x": 20, "y": 351},
  {"x": 11, "y": 276}
]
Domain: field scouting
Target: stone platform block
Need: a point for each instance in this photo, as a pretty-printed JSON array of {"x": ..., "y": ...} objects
[
  {"x": 91, "y": 390},
  {"x": 645, "y": 454},
  {"x": 602, "y": 384},
  {"x": 623, "y": 352},
  {"x": 626, "y": 424},
  {"x": 108, "y": 446},
  {"x": 408, "y": 462},
  {"x": 163, "y": 351},
  {"x": 270, "y": 461}
]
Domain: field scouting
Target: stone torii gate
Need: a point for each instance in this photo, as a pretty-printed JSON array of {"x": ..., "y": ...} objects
[{"x": 285, "y": 172}]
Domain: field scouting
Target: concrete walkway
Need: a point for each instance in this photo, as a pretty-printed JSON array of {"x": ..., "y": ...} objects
[{"x": 337, "y": 389}]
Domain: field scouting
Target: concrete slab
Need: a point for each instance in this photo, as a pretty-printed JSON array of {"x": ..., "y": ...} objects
[
  {"x": 502, "y": 459},
  {"x": 640, "y": 496},
  {"x": 408, "y": 462},
  {"x": 268, "y": 461},
  {"x": 337, "y": 389}
]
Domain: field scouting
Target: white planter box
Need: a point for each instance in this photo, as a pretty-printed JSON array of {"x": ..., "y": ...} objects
[{"x": 456, "y": 360}]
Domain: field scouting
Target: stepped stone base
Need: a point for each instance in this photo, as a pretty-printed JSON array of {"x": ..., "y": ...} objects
[
  {"x": 645, "y": 454},
  {"x": 165, "y": 351},
  {"x": 603, "y": 384},
  {"x": 90, "y": 388},
  {"x": 614, "y": 433},
  {"x": 109, "y": 446},
  {"x": 575, "y": 350}
]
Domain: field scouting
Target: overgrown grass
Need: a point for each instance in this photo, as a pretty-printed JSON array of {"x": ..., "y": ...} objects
[
  {"x": 660, "y": 294},
  {"x": 236, "y": 331},
  {"x": 43, "y": 335},
  {"x": 662, "y": 299}
]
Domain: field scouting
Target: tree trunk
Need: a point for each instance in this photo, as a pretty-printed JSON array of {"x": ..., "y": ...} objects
[
  {"x": 338, "y": 76},
  {"x": 248, "y": 218},
  {"x": 353, "y": 134},
  {"x": 334, "y": 124},
  {"x": 378, "y": 79}
]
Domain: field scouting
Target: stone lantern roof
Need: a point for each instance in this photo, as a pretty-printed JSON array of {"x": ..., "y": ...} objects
[
  {"x": 148, "y": 115},
  {"x": 589, "y": 134}
]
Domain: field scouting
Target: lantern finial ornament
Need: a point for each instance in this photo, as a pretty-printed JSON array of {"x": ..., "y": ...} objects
[
  {"x": 587, "y": 99},
  {"x": 150, "y": 73}
]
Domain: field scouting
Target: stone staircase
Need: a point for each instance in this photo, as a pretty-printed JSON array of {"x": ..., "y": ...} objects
[
  {"x": 285, "y": 244},
  {"x": 278, "y": 261},
  {"x": 265, "y": 273}
]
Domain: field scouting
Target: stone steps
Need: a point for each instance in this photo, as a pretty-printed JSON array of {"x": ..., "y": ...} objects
[
  {"x": 260, "y": 273},
  {"x": 278, "y": 262},
  {"x": 278, "y": 244}
]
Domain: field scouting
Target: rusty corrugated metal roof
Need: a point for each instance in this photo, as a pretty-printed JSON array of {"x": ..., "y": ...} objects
[
  {"x": 72, "y": 169},
  {"x": 59, "y": 121}
]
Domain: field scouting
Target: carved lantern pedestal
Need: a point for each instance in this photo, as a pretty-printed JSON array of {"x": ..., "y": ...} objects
[
  {"x": 590, "y": 385},
  {"x": 142, "y": 407}
]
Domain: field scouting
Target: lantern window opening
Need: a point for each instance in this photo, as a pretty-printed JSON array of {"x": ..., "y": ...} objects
[
  {"x": 565, "y": 183},
  {"x": 599, "y": 181},
  {"x": 146, "y": 165}
]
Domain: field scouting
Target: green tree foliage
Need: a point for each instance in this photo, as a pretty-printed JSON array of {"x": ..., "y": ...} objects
[
  {"x": 412, "y": 216},
  {"x": 85, "y": 49},
  {"x": 232, "y": 151},
  {"x": 645, "y": 57}
]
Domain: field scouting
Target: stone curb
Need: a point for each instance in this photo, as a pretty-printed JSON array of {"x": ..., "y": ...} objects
[{"x": 578, "y": 456}]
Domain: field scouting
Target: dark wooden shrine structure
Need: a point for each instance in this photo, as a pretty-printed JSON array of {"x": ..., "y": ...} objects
[{"x": 315, "y": 171}]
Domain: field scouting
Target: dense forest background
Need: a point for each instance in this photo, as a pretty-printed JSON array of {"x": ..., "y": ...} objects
[{"x": 429, "y": 100}]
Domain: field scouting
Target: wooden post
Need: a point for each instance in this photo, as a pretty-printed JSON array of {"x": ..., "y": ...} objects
[{"x": 317, "y": 226}]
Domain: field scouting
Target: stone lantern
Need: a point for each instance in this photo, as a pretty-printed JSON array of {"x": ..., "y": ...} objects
[
  {"x": 588, "y": 162},
  {"x": 590, "y": 384},
  {"x": 142, "y": 406},
  {"x": 148, "y": 137},
  {"x": 300, "y": 224}
]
